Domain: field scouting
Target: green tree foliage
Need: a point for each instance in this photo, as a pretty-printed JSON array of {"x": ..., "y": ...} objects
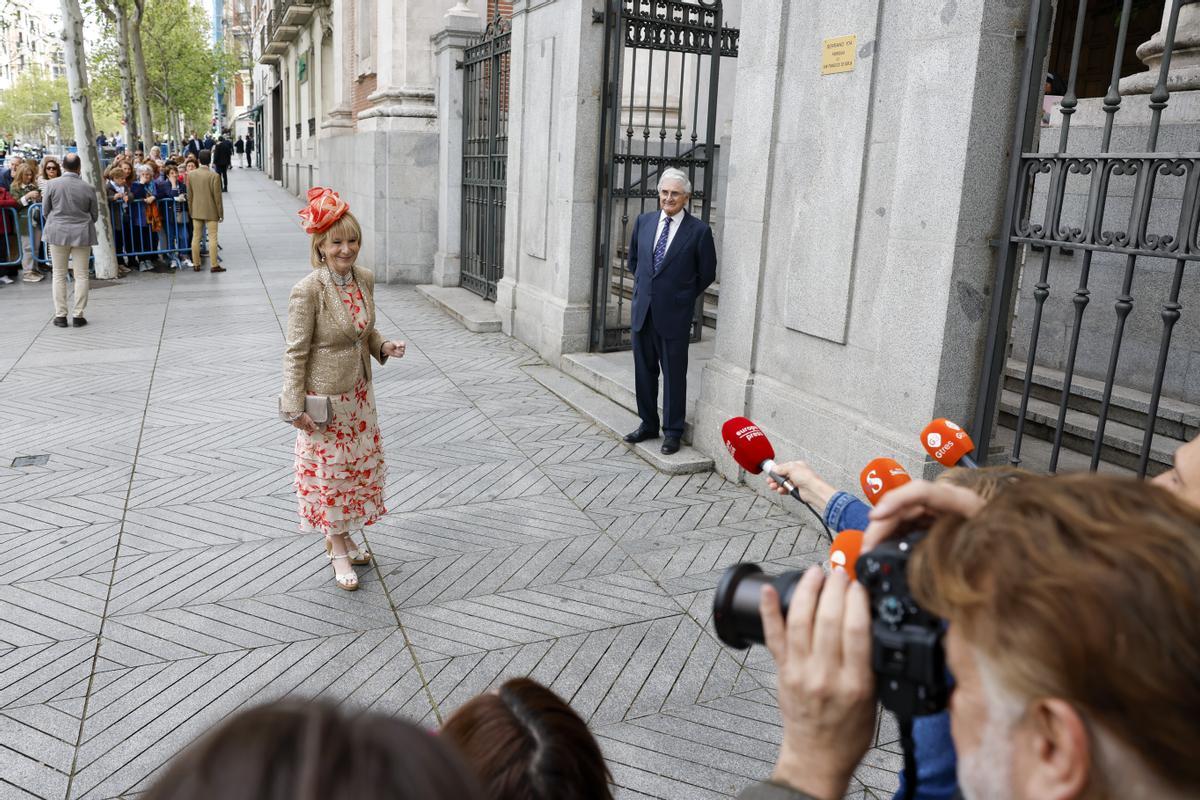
[
  {"x": 25, "y": 109},
  {"x": 182, "y": 66}
]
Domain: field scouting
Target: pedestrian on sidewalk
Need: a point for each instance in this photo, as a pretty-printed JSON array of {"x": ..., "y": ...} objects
[
  {"x": 240, "y": 147},
  {"x": 69, "y": 213},
  {"x": 206, "y": 210},
  {"x": 222, "y": 158},
  {"x": 26, "y": 192},
  {"x": 331, "y": 339},
  {"x": 250, "y": 149}
]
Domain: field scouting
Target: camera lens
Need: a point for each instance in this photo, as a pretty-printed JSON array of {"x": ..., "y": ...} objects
[{"x": 735, "y": 604}]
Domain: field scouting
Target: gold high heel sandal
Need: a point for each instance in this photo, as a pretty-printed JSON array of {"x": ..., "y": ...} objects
[
  {"x": 347, "y": 582},
  {"x": 359, "y": 557}
]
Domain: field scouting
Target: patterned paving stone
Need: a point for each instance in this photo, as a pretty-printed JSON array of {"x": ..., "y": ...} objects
[{"x": 170, "y": 584}]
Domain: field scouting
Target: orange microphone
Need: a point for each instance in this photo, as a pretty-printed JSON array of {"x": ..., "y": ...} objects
[
  {"x": 880, "y": 477},
  {"x": 948, "y": 444},
  {"x": 844, "y": 552}
]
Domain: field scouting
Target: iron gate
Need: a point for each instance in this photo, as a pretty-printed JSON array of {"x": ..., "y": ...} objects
[
  {"x": 485, "y": 158},
  {"x": 1089, "y": 217},
  {"x": 662, "y": 62}
]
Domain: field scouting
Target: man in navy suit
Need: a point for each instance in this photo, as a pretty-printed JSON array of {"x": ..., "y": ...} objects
[{"x": 673, "y": 260}]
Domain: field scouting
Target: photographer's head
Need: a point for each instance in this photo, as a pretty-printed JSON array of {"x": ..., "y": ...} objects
[{"x": 1074, "y": 637}]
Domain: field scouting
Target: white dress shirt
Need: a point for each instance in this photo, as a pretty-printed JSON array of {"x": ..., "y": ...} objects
[{"x": 675, "y": 222}]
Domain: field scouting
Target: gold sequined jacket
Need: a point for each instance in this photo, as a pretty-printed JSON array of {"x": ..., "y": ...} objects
[{"x": 325, "y": 353}]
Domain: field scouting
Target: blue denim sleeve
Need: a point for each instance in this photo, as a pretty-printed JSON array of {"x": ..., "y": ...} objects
[
  {"x": 937, "y": 765},
  {"x": 846, "y": 512}
]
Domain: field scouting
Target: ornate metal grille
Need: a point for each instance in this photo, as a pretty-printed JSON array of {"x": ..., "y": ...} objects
[
  {"x": 1091, "y": 212},
  {"x": 485, "y": 158},
  {"x": 662, "y": 64}
]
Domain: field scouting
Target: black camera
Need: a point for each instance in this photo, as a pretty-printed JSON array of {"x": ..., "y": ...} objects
[{"x": 906, "y": 648}]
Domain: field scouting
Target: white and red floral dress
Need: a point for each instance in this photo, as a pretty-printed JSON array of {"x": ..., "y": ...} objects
[{"x": 340, "y": 471}]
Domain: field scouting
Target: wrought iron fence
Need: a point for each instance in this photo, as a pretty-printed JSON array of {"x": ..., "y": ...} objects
[
  {"x": 1102, "y": 204},
  {"x": 662, "y": 65},
  {"x": 485, "y": 158}
]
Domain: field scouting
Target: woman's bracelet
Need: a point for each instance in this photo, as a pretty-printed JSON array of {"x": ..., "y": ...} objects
[{"x": 296, "y": 416}]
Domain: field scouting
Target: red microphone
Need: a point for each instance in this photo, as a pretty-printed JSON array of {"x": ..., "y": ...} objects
[
  {"x": 881, "y": 476},
  {"x": 948, "y": 444},
  {"x": 844, "y": 552},
  {"x": 752, "y": 451},
  {"x": 749, "y": 446}
]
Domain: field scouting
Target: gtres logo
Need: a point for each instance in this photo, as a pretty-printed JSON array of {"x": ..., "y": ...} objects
[{"x": 935, "y": 441}]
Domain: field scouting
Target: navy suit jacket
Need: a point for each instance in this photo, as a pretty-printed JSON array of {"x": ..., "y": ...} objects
[{"x": 688, "y": 269}]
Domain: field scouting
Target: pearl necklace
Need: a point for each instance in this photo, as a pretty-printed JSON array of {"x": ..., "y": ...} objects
[{"x": 340, "y": 280}]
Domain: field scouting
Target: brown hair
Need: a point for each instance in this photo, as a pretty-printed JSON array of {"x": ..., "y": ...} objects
[
  {"x": 297, "y": 749},
  {"x": 24, "y": 168},
  {"x": 46, "y": 162},
  {"x": 346, "y": 227},
  {"x": 986, "y": 482},
  {"x": 1084, "y": 588},
  {"x": 525, "y": 743}
]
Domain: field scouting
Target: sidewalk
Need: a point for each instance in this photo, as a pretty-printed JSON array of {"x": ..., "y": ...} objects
[{"x": 156, "y": 581}]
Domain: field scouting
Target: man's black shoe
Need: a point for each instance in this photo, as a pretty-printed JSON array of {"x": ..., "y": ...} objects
[
  {"x": 670, "y": 446},
  {"x": 60, "y": 322},
  {"x": 79, "y": 322},
  {"x": 640, "y": 435}
]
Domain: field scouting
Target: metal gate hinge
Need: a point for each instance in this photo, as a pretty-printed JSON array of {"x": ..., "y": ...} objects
[
  {"x": 597, "y": 17},
  {"x": 458, "y": 64}
]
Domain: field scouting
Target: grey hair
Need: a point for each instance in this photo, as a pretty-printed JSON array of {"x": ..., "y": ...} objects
[
  {"x": 141, "y": 168},
  {"x": 673, "y": 174}
]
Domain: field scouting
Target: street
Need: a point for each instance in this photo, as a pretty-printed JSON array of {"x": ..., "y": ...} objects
[{"x": 155, "y": 579}]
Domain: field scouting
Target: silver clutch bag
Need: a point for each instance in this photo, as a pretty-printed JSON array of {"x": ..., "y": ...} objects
[{"x": 319, "y": 408}]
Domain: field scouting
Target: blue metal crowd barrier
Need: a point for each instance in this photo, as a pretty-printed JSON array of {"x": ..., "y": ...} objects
[
  {"x": 132, "y": 234},
  {"x": 10, "y": 254}
]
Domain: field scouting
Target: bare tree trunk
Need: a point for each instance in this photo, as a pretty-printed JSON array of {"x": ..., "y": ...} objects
[
  {"x": 116, "y": 13},
  {"x": 139, "y": 73},
  {"x": 85, "y": 132}
]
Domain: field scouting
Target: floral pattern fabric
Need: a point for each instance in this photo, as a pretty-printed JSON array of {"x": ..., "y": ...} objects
[{"x": 340, "y": 472}]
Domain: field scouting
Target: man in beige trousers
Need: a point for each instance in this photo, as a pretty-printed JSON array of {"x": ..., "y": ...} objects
[
  {"x": 69, "y": 214},
  {"x": 205, "y": 209}
]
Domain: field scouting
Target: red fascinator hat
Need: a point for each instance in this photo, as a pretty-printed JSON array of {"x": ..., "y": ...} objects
[{"x": 324, "y": 208}]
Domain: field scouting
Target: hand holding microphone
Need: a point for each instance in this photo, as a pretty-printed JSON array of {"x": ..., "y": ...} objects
[
  {"x": 802, "y": 479},
  {"x": 752, "y": 451}
]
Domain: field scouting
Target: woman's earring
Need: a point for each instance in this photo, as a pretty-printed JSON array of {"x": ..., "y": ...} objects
[{"x": 322, "y": 258}]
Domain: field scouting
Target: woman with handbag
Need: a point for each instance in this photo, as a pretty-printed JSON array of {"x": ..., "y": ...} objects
[{"x": 327, "y": 393}]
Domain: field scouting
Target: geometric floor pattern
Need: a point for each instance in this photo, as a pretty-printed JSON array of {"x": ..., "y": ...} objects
[{"x": 155, "y": 581}]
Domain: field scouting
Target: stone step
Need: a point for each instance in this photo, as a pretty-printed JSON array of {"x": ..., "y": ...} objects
[
  {"x": 618, "y": 421},
  {"x": 611, "y": 374},
  {"x": 1122, "y": 442},
  {"x": 477, "y": 314},
  {"x": 1176, "y": 419}
]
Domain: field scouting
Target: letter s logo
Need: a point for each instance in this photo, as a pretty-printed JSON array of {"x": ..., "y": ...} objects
[{"x": 875, "y": 482}]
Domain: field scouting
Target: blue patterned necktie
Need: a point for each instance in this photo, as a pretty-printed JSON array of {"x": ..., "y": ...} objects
[{"x": 660, "y": 249}]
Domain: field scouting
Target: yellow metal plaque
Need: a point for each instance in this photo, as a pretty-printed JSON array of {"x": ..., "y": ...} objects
[{"x": 837, "y": 55}]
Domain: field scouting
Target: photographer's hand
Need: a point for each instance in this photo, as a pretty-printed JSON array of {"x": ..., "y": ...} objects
[
  {"x": 916, "y": 501},
  {"x": 813, "y": 490},
  {"x": 826, "y": 686}
]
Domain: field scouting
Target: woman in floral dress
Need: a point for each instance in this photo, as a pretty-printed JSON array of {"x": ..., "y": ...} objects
[{"x": 331, "y": 338}]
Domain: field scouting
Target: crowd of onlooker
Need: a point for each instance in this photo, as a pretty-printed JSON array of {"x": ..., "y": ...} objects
[{"x": 147, "y": 196}]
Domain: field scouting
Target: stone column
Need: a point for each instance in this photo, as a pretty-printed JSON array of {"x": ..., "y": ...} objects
[
  {"x": 462, "y": 25},
  {"x": 1184, "y": 72},
  {"x": 729, "y": 376},
  {"x": 395, "y": 147},
  {"x": 337, "y": 118},
  {"x": 544, "y": 298},
  {"x": 403, "y": 70}
]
